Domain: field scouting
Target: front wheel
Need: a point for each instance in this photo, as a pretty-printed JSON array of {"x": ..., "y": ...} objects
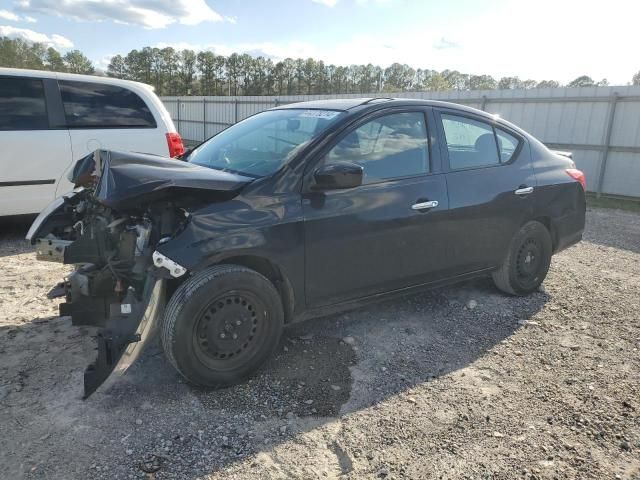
[
  {"x": 221, "y": 325},
  {"x": 527, "y": 261}
]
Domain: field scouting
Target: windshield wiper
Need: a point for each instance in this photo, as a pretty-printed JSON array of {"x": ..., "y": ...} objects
[{"x": 229, "y": 170}]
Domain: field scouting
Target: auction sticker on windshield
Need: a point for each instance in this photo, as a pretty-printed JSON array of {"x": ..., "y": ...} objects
[{"x": 328, "y": 114}]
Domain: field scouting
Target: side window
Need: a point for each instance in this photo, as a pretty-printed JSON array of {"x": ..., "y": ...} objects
[
  {"x": 470, "y": 143},
  {"x": 96, "y": 105},
  {"x": 388, "y": 147},
  {"x": 507, "y": 143},
  {"x": 22, "y": 104}
]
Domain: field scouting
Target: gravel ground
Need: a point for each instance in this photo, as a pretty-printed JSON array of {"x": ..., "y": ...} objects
[{"x": 458, "y": 382}]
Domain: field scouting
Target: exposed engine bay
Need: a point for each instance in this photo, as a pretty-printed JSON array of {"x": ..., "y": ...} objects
[{"x": 110, "y": 227}]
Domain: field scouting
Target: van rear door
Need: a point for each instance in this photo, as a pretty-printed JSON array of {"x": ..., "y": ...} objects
[{"x": 35, "y": 145}]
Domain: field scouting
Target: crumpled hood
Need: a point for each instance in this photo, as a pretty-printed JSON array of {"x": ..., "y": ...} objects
[{"x": 125, "y": 178}]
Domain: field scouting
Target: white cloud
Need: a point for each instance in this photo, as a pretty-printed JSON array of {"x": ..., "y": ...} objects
[
  {"x": 103, "y": 62},
  {"x": 377, "y": 2},
  {"x": 443, "y": 43},
  {"x": 328, "y": 3},
  {"x": 146, "y": 13},
  {"x": 55, "y": 40},
  {"x": 333, "y": 3},
  {"x": 7, "y": 15},
  {"x": 13, "y": 17}
]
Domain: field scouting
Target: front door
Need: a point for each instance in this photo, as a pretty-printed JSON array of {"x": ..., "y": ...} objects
[
  {"x": 491, "y": 184},
  {"x": 387, "y": 233}
]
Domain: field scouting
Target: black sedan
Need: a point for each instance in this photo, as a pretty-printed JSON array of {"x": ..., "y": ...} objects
[{"x": 295, "y": 212}]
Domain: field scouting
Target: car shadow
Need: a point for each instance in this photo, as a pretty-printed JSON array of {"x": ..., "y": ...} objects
[
  {"x": 12, "y": 233},
  {"x": 323, "y": 369}
]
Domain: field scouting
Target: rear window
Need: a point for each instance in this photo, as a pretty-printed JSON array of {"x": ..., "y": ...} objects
[
  {"x": 95, "y": 105},
  {"x": 470, "y": 143},
  {"x": 22, "y": 104},
  {"x": 507, "y": 143}
]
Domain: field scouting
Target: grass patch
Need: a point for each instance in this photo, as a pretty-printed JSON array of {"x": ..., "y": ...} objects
[{"x": 630, "y": 205}]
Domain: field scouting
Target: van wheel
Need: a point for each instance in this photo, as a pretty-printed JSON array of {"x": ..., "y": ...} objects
[
  {"x": 527, "y": 261},
  {"x": 221, "y": 325}
]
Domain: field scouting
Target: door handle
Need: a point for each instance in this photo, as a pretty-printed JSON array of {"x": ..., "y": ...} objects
[
  {"x": 424, "y": 205},
  {"x": 524, "y": 191}
]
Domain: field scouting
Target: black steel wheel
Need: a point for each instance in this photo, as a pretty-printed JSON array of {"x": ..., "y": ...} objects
[
  {"x": 229, "y": 329},
  {"x": 221, "y": 325},
  {"x": 527, "y": 261}
]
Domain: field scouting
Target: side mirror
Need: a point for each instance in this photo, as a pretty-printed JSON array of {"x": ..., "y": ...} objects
[{"x": 338, "y": 176}]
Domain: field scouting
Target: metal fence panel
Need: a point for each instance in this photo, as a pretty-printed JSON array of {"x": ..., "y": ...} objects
[{"x": 601, "y": 125}]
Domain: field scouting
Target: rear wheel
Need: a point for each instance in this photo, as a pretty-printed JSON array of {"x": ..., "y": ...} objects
[
  {"x": 527, "y": 261},
  {"x": 221, "y": 325}
]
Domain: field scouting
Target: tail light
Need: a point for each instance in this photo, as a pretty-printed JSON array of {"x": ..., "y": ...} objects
[
  {"x": 174, "y": 142},
  {"x": 578, "y": 176}
]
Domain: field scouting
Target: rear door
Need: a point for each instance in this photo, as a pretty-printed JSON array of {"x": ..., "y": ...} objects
[
  {"x": 490, "y": 181},
  {"x": 111, "y": 117},
  {"x": 376, "y": 237},
  {"x": 36, "y": 149}
]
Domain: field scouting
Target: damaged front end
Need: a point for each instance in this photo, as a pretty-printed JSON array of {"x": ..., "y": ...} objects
[{"x": 123, "y": 207}]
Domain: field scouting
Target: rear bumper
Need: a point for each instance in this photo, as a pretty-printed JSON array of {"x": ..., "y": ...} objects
[
  {"x": 568, "y": 240},
  {"x": 568, "y": 230}
]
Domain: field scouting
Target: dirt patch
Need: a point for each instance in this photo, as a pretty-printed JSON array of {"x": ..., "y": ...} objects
[{"x": 458, "y": 382}]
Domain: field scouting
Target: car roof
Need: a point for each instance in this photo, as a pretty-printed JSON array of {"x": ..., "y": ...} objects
[
  {"x": 21, "y": 72},
  {"x": 353, "y": 105},
  {"x": 346, "y": 104}
]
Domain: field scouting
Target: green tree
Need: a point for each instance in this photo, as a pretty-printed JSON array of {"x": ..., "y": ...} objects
[
  {"x": 187, "y": 71},
  {"x": 76, "y": 62},
  {"x": 509, "y": 83},
  {"x": 582, "y": 81},
  {"x": 18, "y": 53},
  {"x": 547, "y": 84},
  {"x": 117, "y": 67},
  {"x": 636, "y": 79},
  {"x": 53, "y": 60},
  {"x": 436, "y": 82},
  {"x": 482, "y": 82},
  {"x": 398, "y": 77},
  {"x": 232, "y": 66},
  {"x": 169, "y": 60},
  {"x": 456, "y": 80},
  {"x": 206, "y": 67},
  {"x": 308, "y": 74}
]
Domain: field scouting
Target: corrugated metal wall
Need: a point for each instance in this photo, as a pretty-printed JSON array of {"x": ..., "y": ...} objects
[{"x": 600, "y": 125}]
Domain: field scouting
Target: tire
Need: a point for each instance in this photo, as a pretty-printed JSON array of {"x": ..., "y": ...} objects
[
  {"x": 527, "y": 261},
  {"x": 221, "y": 325}
]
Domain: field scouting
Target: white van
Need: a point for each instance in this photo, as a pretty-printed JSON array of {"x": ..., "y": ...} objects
[{"x": 49, "y": 120}]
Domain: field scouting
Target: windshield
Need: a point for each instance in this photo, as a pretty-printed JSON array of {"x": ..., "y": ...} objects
[{"x": 261, "y": 144}]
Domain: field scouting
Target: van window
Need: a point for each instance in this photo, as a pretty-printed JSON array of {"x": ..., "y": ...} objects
[
  {"x": 22, "y": 104},
  {"x": 96, "y": 105}
]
